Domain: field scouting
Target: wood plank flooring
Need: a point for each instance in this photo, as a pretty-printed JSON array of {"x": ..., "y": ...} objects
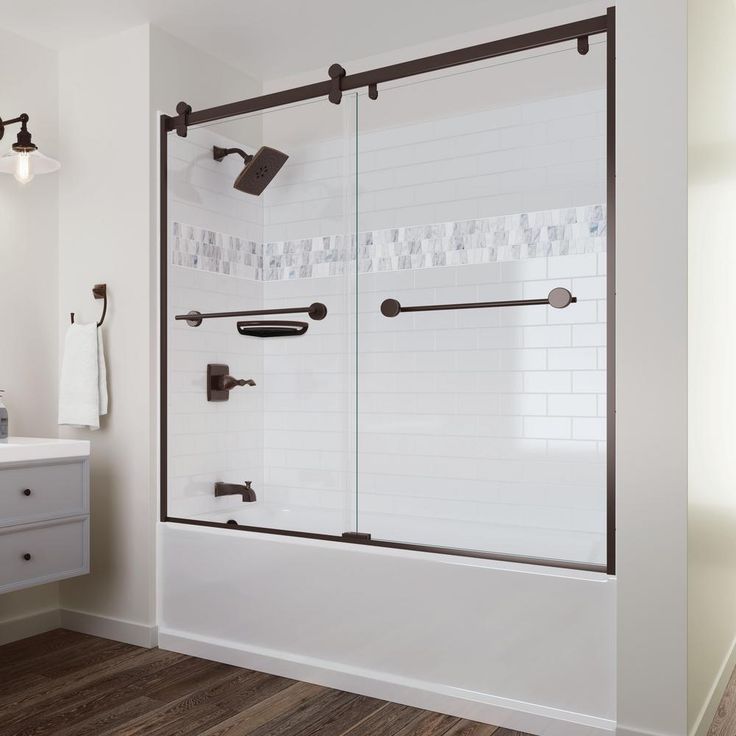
[
  {"x": 724, "y": 723},
  {"x": 66, "y": 684}
]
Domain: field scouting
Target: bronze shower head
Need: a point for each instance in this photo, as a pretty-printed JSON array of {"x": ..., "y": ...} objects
[{"x": 259, "y": 169}]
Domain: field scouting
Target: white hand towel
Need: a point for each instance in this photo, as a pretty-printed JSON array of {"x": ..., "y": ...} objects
[{"x": 83, "y": 386}]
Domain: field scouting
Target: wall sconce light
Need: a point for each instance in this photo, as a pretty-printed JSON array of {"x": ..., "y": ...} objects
[{"x": 25, "y": 160}]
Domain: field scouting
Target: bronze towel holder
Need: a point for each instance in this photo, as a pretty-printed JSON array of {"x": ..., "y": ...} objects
[{"x": 99, "y": 291}]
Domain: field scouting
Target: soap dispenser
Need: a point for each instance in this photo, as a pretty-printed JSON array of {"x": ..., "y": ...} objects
[{"x": 3, "y": 420}]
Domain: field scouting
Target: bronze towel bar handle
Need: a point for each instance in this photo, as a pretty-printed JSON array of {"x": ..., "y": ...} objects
[{"x": 559, "y": 298}]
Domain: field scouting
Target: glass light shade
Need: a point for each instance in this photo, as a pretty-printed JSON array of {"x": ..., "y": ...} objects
[{"x": 24, "y": 166}]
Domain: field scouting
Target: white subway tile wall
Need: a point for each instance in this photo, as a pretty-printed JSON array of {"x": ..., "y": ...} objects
[
  {"x": 209, "y": 441},
  {"x": 216, "y": 258},
  {"x": 478, "y": 429}
]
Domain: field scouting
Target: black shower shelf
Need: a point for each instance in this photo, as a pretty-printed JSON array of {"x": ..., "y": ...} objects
[{"x": 272, "y": 328}]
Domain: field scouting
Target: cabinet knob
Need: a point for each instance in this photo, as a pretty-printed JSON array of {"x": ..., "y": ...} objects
[
  {"x": 26, "y": 556},
  {"x": 27, "y": 492}
]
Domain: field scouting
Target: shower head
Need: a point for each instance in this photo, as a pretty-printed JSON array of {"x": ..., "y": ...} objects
[{"x": 259, "y": 169}]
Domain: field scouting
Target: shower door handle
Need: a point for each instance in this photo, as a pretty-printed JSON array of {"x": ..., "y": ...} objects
[{"x": 559, "y": 298}]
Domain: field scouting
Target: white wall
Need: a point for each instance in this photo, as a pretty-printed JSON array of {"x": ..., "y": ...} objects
[
  {"x": 29, "y": 306},
  {"x": 107, "y": 228},
  {"x": 182, "y": 72},
  {"x": 712, "y": 360},
  {"x": 652, "y": 366},
  {"x": 104, "y": 236}
]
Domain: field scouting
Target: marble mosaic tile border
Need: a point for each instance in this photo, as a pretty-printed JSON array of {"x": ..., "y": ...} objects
[
  {"x": 207, "y": 250},
  {"x": 515, "y": 237}
]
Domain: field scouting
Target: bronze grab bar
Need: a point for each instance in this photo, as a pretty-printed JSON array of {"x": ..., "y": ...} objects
[
  {"x": 559, "y": 298},
  {"x": 316, "y": 311}
]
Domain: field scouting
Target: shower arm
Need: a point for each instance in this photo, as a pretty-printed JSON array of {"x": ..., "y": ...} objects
[{"x": 219, "y": 153}]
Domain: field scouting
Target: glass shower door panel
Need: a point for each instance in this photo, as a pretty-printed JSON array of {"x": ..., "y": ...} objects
[
  {"x": 289, "y": 430},
  {"x": 484, "y": 428}
]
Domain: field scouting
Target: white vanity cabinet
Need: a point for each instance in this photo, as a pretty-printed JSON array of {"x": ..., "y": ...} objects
[{"x": 44, "y": 511}]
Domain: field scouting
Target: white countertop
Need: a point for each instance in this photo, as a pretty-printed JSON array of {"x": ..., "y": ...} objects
[{"x": 23, "y": 449}]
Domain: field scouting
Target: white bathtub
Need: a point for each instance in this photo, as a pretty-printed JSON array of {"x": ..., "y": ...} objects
[
  {"x": 528, "y": 648},
  {"x": 572, "y": 543}
]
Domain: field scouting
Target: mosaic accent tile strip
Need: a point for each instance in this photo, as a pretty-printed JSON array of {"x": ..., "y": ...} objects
[
  {"x": 567, "y": 231},
  {"x": 207, "y": 250}
]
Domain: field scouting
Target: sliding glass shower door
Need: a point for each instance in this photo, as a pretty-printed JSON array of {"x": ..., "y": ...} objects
[
  {"x": 482, "y": 309},
  {"x": 387, "y": 319}
]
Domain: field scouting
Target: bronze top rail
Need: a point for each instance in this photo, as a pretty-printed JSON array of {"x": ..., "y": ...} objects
[{"x": 437, "y": 62}]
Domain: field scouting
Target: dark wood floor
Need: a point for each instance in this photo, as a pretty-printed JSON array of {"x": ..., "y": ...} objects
[
  {"x": 67, "y": 684},
  {"x": 724, "y": 723}
]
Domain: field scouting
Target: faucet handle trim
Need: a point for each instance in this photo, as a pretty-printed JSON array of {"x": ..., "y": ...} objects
[{"x": 220, "y": 382}]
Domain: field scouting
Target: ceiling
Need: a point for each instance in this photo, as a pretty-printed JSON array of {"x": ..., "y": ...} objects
[{"x": 269, "y": 38}]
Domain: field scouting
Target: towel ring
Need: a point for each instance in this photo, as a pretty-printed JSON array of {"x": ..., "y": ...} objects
[{"x": 99, "y": 291}]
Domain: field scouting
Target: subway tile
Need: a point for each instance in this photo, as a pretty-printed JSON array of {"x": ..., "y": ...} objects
[
  {"x": 575, "y": 127},
  {"x": 547, "y": 336},
  {"x": 580, "y": 312},
  {"x": 547, "y": 382},
  {"x": 547, "y": 427},
  {"x": 572, "y": 358},
  {"x": 522, "y": 360},
  {"x": 572, "y": 405},
  {"x": 523, "y": 405},
  {"x": 589, "y": 335},
  {"x": 589, "y": 428},
  {"x": 589, "y": 381},
  {"x": 572, "y": 265}
]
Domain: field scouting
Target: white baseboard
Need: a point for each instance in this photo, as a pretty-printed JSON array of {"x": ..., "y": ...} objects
[
  {"x": 511, "y": 714},
  {"x": 708, "y": 711},
  {"x": 621, "y": 731},
  {"x": 25, "y": 626},
  {"x": 128, "y": 632}
]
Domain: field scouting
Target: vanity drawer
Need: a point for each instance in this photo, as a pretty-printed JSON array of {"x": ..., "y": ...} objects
[
  {"x": 42, "y": 553},
  {"x": 30, "y": 492}
]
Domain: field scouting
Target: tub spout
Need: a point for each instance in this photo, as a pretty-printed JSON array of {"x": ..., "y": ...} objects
[{"x": 235, "y": 489}]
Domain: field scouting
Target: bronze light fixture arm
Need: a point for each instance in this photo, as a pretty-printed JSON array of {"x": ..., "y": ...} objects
[{"x": 23, "y": 142}]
